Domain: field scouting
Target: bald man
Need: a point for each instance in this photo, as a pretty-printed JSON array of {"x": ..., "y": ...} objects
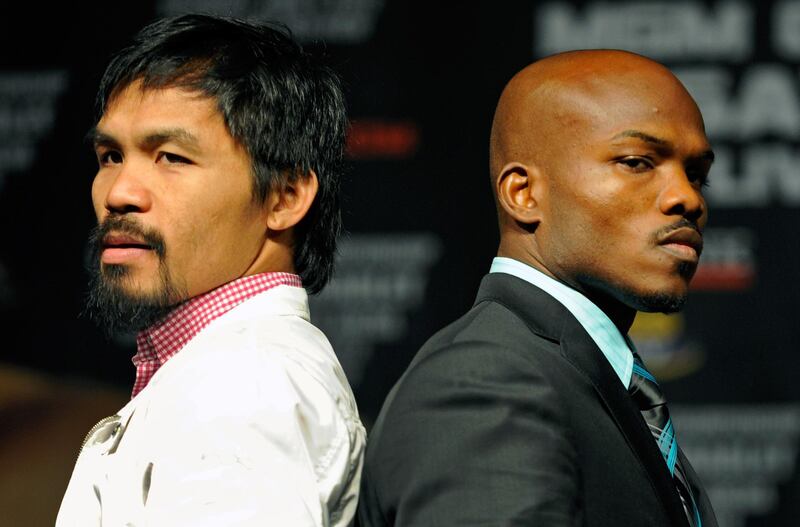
[{"x": 533, "y": 409}]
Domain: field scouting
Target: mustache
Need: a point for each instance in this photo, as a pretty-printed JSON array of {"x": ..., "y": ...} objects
[
  {"x": 680, "y": 224},
  {"x": 131, "y": 227}
]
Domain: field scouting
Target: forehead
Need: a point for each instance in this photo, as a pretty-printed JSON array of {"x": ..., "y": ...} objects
[
  {"x": 598, "y": 110},
  {"x": 133, "y": 110}
]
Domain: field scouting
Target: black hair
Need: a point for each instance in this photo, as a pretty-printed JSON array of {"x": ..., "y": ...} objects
[{"x": 283, "y": 105}]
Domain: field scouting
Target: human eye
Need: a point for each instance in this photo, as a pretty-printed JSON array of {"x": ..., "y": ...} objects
[
  {"x": 173, "y": 159},
  {"x": 635, "y": 163},
  {"x": 697, "y": 172},
  {"x": 109, "y": 157},
  {"x": 698, "y": 177}
]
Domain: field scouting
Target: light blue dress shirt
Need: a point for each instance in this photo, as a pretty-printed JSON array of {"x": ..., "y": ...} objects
[{"x": 605, "y": 334}]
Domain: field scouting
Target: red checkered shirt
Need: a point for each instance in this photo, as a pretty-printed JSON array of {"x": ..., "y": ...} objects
[{"x": 160, "y": 342}]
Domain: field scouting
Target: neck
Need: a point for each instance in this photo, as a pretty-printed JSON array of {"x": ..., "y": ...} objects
[
  {"x": 276, "y": 254},
  {"x": 620, "y": 314}
]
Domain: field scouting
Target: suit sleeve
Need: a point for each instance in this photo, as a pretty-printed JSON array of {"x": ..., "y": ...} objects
[{"x": 475, "y": 435}]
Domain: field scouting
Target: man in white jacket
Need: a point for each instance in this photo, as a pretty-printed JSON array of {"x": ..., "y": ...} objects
[{"x": 219, "y": 145}]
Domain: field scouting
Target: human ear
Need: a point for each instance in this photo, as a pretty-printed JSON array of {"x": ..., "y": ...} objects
[
  {"x": 518, "y": 189},
  {"x": 289, "y": 203}
]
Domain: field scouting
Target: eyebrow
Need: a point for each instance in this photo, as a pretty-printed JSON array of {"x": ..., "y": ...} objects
[
  {"x": 151, "y": 141},
  {"x": 180, "y": 136},
  {"x": 647, "y": 138},
  {"x": 707, "y": 155},
  {"x": 95, "y": 138}
]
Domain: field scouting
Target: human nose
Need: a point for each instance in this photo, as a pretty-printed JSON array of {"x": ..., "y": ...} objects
[
  {"x": 681, "y": 196},
  {"x": 123, "y": 190}
]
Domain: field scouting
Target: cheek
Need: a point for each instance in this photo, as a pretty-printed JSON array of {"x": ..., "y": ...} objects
[
  {"x": 231, "y": 216},
  {"x": 99, "y": 192},
  {"x": 602, "y": 218},
  {"x": 223, "y": 230},
  {"x": 704, "y": 218}
]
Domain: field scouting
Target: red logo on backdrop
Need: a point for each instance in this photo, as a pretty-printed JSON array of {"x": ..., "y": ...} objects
[
  {"x": 380, "y": 139},
  {"x": 724, "y": 277},
  {"x": 728, "y": 262}
]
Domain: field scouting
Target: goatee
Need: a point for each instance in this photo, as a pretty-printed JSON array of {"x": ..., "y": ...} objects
[
  {"x": 659, "y": 302},
  {"x": 112, "y": 305}
]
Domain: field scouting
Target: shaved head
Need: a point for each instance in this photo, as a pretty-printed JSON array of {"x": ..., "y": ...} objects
[
  {"x": 598, "y": 151},
  {"x": 543, "y": 103}
]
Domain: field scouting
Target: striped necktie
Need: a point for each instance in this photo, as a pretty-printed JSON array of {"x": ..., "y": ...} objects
[{"x": 651, "y": 402}]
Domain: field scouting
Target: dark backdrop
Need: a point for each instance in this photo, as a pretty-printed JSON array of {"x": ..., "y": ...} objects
[{"x": 422, "y": 79}]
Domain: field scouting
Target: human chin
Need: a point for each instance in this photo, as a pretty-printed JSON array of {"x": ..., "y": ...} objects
[
  {"x": 133, "y": 280},
  {"x": 653, "y": 294},
  {"x": 120, "y": 300},
  {"x": 669, "y": 296},
  {"x": 659, "y": 302},
  {"x": 659, "y": 291}
]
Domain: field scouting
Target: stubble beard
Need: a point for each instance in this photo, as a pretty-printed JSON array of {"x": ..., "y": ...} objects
[
  {"x": 653, "y": 301},
  {"x": 661, "y": 302},
  {"x": 657, "y": 301},
  {"x": 110, "y": 302}
]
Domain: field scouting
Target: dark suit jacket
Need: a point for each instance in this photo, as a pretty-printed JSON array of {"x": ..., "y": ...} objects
[{"x": 512, "y": 416}]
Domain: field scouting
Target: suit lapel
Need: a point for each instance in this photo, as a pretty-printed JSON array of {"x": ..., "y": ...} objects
[
  {"x": 549, "y": 318},
  {"x": 583, "y": 353}
]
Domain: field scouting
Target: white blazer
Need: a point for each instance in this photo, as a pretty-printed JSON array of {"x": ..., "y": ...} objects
[{"x": 251, "y": 423}]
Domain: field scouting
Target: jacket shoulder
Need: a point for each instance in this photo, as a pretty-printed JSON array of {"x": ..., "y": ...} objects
[
  {"x": 491, "y": 325},
  {"x": 482, "y": 394}
]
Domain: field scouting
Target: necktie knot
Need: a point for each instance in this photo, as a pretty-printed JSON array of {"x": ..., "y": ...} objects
[{"x": 644, "y": 388}]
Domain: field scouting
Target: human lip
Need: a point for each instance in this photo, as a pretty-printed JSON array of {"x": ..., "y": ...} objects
[
  {"x": 685, "y": 243},
  {"x": 122, "y": 248}
]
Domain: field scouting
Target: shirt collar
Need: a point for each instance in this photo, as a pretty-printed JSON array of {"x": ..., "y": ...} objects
[
  {"x": 161, "y": 341},
  {"x": 600, "y": 328}
]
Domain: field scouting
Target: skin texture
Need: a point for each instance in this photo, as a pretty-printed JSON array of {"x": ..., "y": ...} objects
[
  {"x": 597, "y": 159},
  {"x": 168, "y": 166}
]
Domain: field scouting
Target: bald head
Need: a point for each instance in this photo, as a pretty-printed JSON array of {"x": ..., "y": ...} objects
[
  {"x": 596, "y": 158},
  {"x": 548, "y": 101}
]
